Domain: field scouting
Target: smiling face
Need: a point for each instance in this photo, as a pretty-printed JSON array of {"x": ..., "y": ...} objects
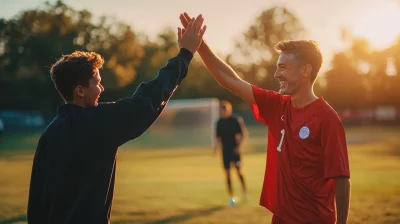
[
  {"x": 77, "y": 78},
  {"x": 298, "y": 65},
  {"x": 92, "y": 91},
  {"x": 289, "y": 73}
]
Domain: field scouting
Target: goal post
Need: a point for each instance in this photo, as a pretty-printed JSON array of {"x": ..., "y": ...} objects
[{"x": 184, "y": 123}]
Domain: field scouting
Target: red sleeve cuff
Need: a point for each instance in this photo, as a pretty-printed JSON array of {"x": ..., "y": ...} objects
[{"x": 337, "y": 174}]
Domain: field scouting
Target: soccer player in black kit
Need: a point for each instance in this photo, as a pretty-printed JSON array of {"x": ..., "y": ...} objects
[
  {"x": 231, "y": 132},
  {"x": 73, "y": 172}
]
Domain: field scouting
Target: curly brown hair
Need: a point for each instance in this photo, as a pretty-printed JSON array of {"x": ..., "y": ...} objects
[
  {"x": 305, "y": 51},
  {"x": 74, "y": 69}
]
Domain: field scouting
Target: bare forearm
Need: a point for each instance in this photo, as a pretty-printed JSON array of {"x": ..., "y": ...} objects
[
  {"x": 239, "y": 143},
  {"x": 342, "y": 199},
  {"x": 221, "y": 71},
  {"x": 218, "y": 143},
  {"x": 244, "y": 132},
  {"x": 239, "y": 139}
]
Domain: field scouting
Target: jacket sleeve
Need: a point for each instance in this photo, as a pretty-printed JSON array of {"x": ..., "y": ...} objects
[{"x": 128, "y": 118}]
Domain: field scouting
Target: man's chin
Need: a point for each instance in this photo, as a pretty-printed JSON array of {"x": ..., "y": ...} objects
[
  {"x": 284, "y": 92},
  {"x": 92, "y": 104}
]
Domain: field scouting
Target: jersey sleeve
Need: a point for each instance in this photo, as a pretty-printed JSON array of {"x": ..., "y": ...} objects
[
  {"x": 267, "y": 104},
  {"x": 333, "y": 140}
]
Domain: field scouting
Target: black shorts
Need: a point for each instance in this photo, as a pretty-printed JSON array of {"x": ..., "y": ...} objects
[{"x": 230, "y": 158}]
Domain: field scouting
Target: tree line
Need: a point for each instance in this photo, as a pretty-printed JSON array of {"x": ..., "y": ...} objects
[{"x": 31, "y": 41}]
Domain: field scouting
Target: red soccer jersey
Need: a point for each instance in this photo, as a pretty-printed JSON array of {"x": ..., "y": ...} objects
[{"x": 306, "y": 151}]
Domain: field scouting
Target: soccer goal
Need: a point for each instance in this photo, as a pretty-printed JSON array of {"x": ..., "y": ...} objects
[{"x": 184, "y": 123}]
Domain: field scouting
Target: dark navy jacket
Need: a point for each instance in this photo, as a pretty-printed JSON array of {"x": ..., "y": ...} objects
[{"x": 73, "y": 172}]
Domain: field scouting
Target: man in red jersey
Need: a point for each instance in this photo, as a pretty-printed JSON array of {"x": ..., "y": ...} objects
[{"x": 307, "y": 177}]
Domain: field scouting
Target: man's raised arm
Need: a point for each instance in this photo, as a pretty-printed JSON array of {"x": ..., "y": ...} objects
[
  {"x": 221, "y": 71},
  {"x": 128, "y": 118}
]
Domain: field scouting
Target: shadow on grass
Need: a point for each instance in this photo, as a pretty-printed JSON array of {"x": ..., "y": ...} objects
[
  {"x": 186, "y": 215},
  {"x": 21, "y": 218}
]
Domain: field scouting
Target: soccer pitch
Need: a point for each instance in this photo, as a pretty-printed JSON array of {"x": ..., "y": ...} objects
[{"x": 187, "y": 185}]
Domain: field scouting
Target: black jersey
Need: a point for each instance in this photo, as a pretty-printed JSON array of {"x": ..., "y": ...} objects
[{"x": 227, "y": 128}]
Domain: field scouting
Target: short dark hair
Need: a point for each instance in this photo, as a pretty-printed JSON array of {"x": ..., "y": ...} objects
[
  {"x": 305, "y": 51},
  {"x": 74, "y": 69},
  {"x": 224, "y": 104}
]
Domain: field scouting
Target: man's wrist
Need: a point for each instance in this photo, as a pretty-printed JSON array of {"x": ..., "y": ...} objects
[
  {"x": 185, "y": 54},
  {"x": 202, "y": 47}
]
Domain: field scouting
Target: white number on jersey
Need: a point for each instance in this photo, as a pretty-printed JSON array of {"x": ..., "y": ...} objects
[{"x": 280, "y": 143}]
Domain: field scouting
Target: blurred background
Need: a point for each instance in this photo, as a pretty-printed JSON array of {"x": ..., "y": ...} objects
[{"x": 168, "y": 175}]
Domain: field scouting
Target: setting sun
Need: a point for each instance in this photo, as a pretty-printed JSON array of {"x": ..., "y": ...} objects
[{"x": 379, "y": 26}]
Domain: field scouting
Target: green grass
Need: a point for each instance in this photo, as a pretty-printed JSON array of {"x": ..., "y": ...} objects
[{"x": 187, "y": 185}]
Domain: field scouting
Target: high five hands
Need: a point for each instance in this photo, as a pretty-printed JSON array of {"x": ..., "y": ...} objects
[
  {"x": 185, "y": 19},
  {"x": 191, "y": 36}
]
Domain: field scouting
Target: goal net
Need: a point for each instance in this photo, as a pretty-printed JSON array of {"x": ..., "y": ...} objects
[{"x": 183, "y": 123}]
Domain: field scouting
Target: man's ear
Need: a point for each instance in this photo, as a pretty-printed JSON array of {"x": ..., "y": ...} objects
[
  {"x": 306, "y": 70},
  {"x": 79, "y": 92}
]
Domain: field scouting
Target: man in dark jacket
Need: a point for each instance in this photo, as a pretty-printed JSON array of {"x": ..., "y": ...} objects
[{"x": 73, "y": 172}]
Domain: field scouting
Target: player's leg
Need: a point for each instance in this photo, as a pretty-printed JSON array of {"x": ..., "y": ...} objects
[
  {"x": 232, "y": 200},
  {"x": 238, "y": 165},
  {"x": 228, "y": 178},
  {"x": 227, "y": 165}
]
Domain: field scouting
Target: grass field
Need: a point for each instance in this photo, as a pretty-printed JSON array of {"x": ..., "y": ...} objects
[{"x": 187, "y": 185}]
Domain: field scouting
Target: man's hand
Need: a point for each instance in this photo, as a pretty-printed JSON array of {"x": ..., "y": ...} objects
[
  {"x": 190, "y": 37},
  {"x": 215, "y": 149},
  {"x": 221, "y": 71},
  {"x": 185, "y": 19},
  {"x": 237, "y": 150}
]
